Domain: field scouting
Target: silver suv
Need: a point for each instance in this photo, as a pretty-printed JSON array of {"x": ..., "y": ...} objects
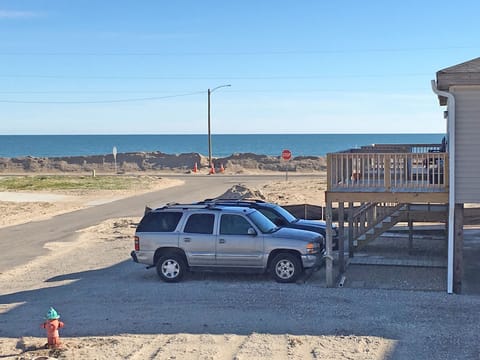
[{"x": 177, "y": 238}]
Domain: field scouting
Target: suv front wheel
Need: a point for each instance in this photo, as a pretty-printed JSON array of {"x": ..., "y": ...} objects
[
  {"x": 286, "y": 268},
  {"x": 171, "y": 267}
]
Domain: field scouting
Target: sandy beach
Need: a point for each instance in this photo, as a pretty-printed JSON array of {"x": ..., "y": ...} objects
[{"x": 116, "y": 327}]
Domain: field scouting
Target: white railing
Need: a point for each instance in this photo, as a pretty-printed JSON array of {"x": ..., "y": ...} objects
[
  {"x": 399, "y": 148},
  {"x": 388, "y": 171}
]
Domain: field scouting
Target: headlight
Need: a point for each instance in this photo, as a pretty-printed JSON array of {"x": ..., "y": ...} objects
[{"x": 313, "y": 248}]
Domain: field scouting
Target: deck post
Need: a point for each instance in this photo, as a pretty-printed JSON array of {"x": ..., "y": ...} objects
[
  {"x": 350, "y": 229},
  {"x": 370, "y": 215},
  {"x": 362, "y": 219},
  {"x": 341, "y": 237},
  {"x": 446, "y": 237},
  {"x": 410, "y": 235},
  {"x": 458, "y": 250},
  {"x": 387, "y": 172},
  {"x": 328, "y": 252},
  {"x": 329, "y": 171}
]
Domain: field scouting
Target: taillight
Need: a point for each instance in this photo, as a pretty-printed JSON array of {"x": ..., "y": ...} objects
[{"x": 137, "y": 243}]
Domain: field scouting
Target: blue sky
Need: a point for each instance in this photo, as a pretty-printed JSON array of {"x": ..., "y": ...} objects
[{"x": 83, "y": 67}]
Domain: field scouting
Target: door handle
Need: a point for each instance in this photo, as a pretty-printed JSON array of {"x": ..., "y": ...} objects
[
  {"x": 187, "y": 239},
  {"x": 221, "y": 241}
]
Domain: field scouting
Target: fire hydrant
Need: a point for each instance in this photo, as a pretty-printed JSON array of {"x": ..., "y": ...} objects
[{"x": 52, "y": 324}]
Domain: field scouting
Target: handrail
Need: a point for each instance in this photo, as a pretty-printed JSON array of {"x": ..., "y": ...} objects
[
  {"x": 388, "y": 171},
  {"x": 404, "y": 148},
  {"x": 362, "y": 208}
]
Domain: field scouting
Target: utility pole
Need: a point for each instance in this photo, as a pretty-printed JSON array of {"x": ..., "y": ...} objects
[{"x": 210, "y": 163}]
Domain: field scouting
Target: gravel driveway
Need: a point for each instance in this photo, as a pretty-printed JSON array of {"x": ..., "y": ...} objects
[{"x": 106, "y": 299}]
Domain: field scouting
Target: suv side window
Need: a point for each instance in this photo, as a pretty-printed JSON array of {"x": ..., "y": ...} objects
[
  {"x": 165, "y": 221},
  {"x": 271, "y": 216},
  {"x": 200, "y": 224},
  {"x": 234, "y": 225}
]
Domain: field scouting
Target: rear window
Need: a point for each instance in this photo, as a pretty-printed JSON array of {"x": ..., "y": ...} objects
[{"x": 165, "y": 221}]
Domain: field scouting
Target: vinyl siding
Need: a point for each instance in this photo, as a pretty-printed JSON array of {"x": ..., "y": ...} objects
[{"x": 467, "y": 141}]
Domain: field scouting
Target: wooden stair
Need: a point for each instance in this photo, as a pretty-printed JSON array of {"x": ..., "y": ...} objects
[{"x": 386, "y": 216}]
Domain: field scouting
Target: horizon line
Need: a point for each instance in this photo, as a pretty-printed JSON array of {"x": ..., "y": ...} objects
[{"x": 204, "y": 134}]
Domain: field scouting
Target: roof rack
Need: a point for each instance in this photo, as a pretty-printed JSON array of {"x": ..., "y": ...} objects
[
  {"x": 220, "y": 200},
  {"x": 174, "y": 205}
]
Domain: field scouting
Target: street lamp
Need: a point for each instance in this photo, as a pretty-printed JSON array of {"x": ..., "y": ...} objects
[{"x": 209, "y": 132}]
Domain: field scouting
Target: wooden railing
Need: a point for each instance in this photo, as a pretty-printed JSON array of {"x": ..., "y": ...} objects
[
  {"x": 369, "y": 215},
  {"x": 388, "y": 170},
  {"x": 398, "y": 148}
]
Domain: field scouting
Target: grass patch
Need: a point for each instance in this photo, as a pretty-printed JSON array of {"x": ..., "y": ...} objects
[{"x": 61, "y": 182}]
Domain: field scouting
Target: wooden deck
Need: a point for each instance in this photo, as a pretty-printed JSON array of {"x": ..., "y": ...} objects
[
  {"x": 388, "y": 182},
  {"x": 419, "y": 169}
]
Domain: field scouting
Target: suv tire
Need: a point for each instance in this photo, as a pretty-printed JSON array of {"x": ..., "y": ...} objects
[
  {"x": 171, "y": 267},
  {"x": 286, "y": 268}
]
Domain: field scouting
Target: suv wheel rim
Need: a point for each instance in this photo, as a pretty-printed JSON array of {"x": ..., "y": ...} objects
[
  {"x": 170, "y": 269},
  {"x": 285, "y": 269}
]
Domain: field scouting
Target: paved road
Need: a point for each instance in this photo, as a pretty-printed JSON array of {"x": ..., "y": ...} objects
[{"x": 22, "y": 243}]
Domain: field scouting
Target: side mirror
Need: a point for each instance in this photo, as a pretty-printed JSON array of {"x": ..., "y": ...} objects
[{"x": 251, "y": 231}]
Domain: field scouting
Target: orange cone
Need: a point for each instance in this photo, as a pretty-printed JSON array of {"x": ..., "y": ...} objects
[
  {"x": 222, "y": 170},
  {"x": 195, "y": 168},
  {"x": 212, "y": 170}
]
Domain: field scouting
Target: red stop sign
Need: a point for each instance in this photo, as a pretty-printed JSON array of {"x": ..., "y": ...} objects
[{"x": 286, "y": 154}]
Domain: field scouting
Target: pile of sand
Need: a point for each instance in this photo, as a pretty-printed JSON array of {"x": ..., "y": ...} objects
[
  {"x": 238, "y": 192},
  {"x": 158, "y": 161}
]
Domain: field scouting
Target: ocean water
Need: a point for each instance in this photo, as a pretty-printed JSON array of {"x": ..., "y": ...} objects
[{"x": 222, "y": 145}]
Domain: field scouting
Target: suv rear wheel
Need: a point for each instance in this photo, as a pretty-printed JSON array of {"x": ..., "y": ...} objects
[
  {"x": 286, "y": 268},
  {"x": 171, "y": 267}
]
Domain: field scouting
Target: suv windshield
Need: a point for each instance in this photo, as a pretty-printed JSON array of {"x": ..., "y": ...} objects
[
  {"x": 262, "y": 222},
  {"x": 284, "y": 213}
]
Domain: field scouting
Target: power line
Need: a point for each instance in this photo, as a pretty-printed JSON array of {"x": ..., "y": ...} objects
[
  {"x": 187, "y": 77},
  {"x": 284, "y": 90},
  {"x": 81, "y": 92},
  {"x": 235, "y": 53},
  {"x": 153, "y": 98},
  {"x": 101, "y": 101}
]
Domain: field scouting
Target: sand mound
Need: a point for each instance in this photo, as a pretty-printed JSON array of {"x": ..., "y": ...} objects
[
  {"x": 238, "y": 192},
  {"x": 158, "y": 161}
]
